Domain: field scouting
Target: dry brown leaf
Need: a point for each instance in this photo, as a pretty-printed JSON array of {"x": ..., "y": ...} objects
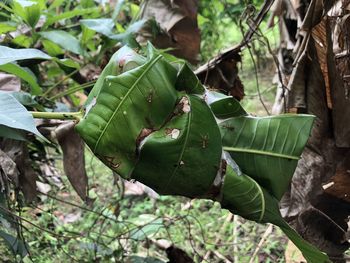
[
  {"x": 73, "y": 158},
  {"x": 18, "y": 152},
  {"x": 178, "y": 21},
  {"x": 221, "y": 73},
  {"x": 319, "y": 33},
  {"x": 9, "y": 82}
]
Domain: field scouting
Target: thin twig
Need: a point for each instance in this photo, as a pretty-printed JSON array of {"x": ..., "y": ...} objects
[
  {"x": 235, "y": 238},
  {"x": 263, "y": 238}
]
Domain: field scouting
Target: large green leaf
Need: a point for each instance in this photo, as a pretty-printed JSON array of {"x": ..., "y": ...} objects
[
  {"x": 64, "y": 40},
  {"x": 182, "y": 152},
  {"x": 8, "y": 55},
  {"x": 267, "y": 148},
  {"x": 140, "y": 98},
  {"x": 243, "y": 196},
  {"x": 123, "y": 60},
  {"x": 23, "y": 74},
  {"x": 15, "y": 115},
  {"x": 188, "y": 81}
]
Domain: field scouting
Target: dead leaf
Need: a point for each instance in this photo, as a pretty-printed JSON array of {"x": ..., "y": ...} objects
[
  {"x": 9, "y": 82},
  {"x": 319, "y": 33},
  {"x": 18, "y": 151},
  {"x": 73, "y": 158},
  {"x": 221, "y": 73},
  {"x": 178, "y": 22}
]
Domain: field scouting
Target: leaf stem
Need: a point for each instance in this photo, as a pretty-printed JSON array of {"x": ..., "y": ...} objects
[
  {"x": 59, "y": 82},
  {"x": 280, "y": 155},
  {"x": 73, "y": 90},
  {"x": 57, "y": 115}
]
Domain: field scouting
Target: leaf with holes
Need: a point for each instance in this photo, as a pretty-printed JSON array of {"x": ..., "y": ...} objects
[
  {"x": 123, "y": 60},
  {"x": 141, "y": 98},
  {"x": 182, "y": 158}
]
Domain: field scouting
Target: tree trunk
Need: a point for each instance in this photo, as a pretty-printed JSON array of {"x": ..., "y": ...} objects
[{"x": 315, "y": 65}]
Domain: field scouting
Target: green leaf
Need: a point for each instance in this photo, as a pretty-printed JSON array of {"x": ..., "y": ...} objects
[
  {"x": 267, "y": 148},
  {"x": 29, "y": 11},
  {"x": 10, "y": 133},
  {"x": 6, "y": 27},
  {"x": 24, "y": 74},
  {"x": 224, "y": 107},
  {"x": 117, "y": 9},
  {"x": 188, "y": 81},
  {"x": 16, "y": 245},
  {"x": 126, "y": 104},
  {"x": 123, "y": 60},
  {"x": 56, "y": 3},
  {"x": 147, "y": 229},
  {"x": 64, "y": 40},
  {"x": 243, "y": 196},
  {"x": 127, "y": 37},
  {"x": 188, "y": 153},
  {"x": 67, "y": 15},
  {"x": 8, "y": 55},
  {"x": 67, "y": 62},
  {"x": 51, "y": 48},
  {"x": 103, "y": 26},
  {"x": 23, "y": 41},
  {"x": 14, "y": 115},
  {"x": 25, "y": 98},
  {"x": 137, "y": 259}
]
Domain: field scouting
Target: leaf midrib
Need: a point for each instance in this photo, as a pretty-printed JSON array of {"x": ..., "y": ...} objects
[
  {"x": 260, "y": 152},
  {"x": 124, "y": 99}
]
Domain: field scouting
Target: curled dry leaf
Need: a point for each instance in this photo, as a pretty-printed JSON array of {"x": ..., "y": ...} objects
[
  {"x": 18, "y": 152},
  {"x": 177, "y": 20},
  {"x": 73, "y": 158}
]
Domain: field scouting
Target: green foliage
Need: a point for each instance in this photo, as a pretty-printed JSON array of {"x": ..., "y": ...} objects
[
  {"x": 220, "y": 23},
  {"x": 14, "y": 115},
  {"x": 176, "y": 149},
  {"x": 185, "y": 151},
  {"x": 8, "y": 55},
  {"x": 144, "y": 121},
  {"x": 268, "y": 149}
]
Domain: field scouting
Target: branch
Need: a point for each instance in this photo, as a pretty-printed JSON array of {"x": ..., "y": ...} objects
[{"x": 228, "y": 53}]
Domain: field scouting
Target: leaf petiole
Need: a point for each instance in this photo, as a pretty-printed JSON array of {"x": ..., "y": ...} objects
[{"x": 57, "y": 115}]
